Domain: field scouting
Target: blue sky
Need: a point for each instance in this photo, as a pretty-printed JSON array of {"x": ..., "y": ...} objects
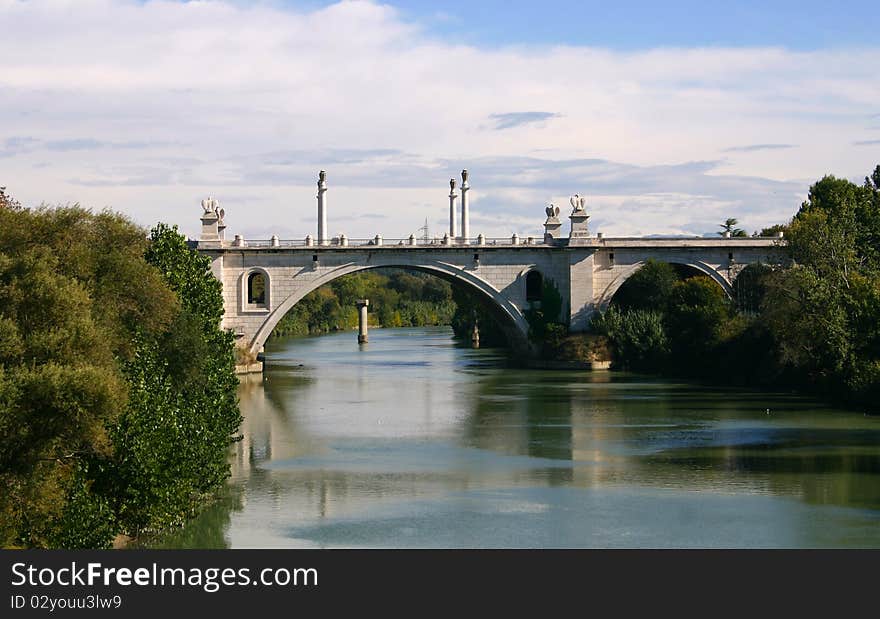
[
  {"x": 668, "y": 117},
  {"x": 630, "y": 25}
]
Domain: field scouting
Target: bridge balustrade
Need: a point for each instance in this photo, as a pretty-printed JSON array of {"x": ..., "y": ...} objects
[{"x": 353, "y": 243}]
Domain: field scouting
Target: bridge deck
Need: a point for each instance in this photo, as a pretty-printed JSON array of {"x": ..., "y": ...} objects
[{"x": 500, "y": 243}]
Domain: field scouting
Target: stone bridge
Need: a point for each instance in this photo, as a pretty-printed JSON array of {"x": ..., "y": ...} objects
[{"x": 264, "y": 279}]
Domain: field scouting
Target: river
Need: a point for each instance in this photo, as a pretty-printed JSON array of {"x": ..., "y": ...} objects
[{"x": 413, "y": 441}]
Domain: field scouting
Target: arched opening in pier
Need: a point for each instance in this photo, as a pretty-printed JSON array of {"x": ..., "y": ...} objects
[
  {"x": 256, "y": 289},
  {"x": 534, "y": 286}
]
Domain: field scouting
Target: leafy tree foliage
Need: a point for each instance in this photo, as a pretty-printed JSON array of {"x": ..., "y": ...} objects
[
  {"x": 649, "y": 288},
  {"x": 548, "y": 313},
  {"x": 92, "y": 380},
  {"x": 773, "y": 231},
  {"x": 697, "y": 313},
  {"x": 6, "y": 201},
  {"x": 729, "y": 228},
  {"x": 750, "y": 289},
  {"x": 825, "y": 310},
  {"x": 182, "y": 412},
  {"x": 638, "y": 337}
]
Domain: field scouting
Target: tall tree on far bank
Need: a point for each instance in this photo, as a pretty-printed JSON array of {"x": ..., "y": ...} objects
[{"x": 824, "y": 311}]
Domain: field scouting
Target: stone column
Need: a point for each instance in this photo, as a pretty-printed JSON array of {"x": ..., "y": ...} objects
[
  {"x": 453, "y": 232},
  {"x": 362, "y": 305},
  {"x": 465, "y": 216},
  {"x": 322, "y": 208}
]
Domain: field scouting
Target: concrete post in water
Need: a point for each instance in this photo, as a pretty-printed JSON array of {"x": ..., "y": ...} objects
[
  {"x": 322, "y": 208},
  {"x": 362, "y": 305},
  {"x": 475, "y": 335},
  {"x": 453, "y": 232},
  {"x": 465, "y": 216}
]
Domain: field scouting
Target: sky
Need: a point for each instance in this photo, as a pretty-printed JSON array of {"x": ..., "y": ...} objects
[{"x": 670, "y": 117}]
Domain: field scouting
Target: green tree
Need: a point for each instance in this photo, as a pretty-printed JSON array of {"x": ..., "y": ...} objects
[
  {"x": 773, "y": 231},
  {"x": 117, "y": 392},
  {"x": 71, "y": 283},
  {"x": 698, "y": 311},
  {"x": 750, "y": 288},
  {"x": 638, "y": 337},
  {"x": 649, "y": 288},
  {"x": 729, "y": 228},
  {"x": 6, "y": 201},
  {"x": 824, "y": 311},
  {"x": 172, "y": 439}
]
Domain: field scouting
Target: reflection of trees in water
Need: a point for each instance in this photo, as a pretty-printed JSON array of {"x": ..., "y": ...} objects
[
  {"x": 514, "y": 413},
  {"x": 620, "y": 430},
  {"x": 207, "y": 529},
  {"x": 826, "y": 466}
]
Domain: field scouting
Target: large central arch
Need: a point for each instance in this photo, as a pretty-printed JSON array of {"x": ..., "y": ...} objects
[{"x": 508, "y": 315}]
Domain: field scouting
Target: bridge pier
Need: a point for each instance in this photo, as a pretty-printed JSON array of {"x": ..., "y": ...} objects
[{"x": 362, "y": 320}]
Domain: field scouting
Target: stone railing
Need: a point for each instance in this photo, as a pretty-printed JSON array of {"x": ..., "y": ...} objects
[
  {"x": 380, "y": 241},
  {"x": 511, "y": 241}
]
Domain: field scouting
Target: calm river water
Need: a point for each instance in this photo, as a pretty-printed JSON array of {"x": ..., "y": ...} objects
[{"x": 412, "y": 441}]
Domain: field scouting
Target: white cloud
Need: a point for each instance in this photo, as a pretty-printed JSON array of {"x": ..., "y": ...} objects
[{"x": 150, "y": 106}]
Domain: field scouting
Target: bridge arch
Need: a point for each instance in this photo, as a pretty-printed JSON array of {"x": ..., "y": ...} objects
[
  {"x": 627, "y": 271},
  {"x": 508, "y": 315}
]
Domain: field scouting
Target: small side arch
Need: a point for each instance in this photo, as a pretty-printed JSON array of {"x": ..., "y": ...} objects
[
  {"x": 534, "y": 286},
  {"x": 706, "y": 269},
  {"x": 255, "y": 291}
]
